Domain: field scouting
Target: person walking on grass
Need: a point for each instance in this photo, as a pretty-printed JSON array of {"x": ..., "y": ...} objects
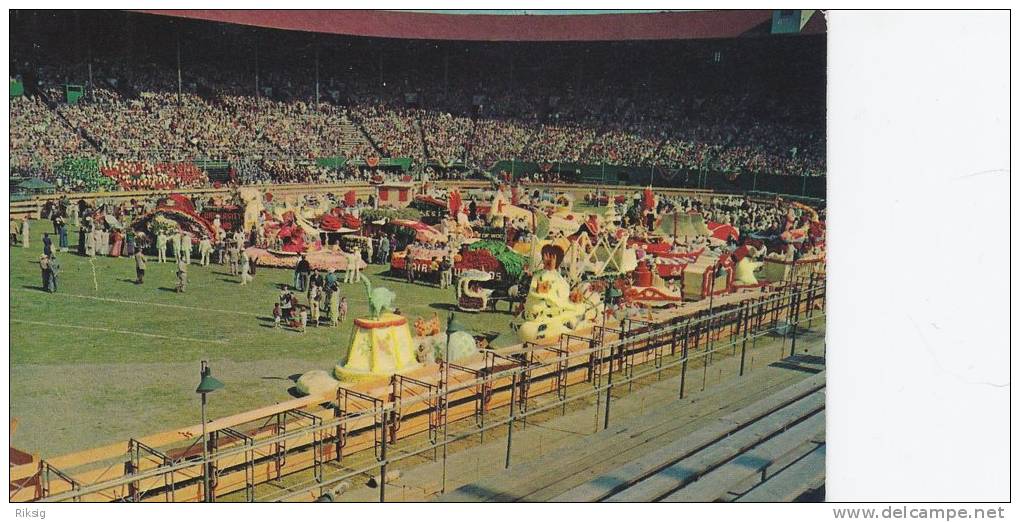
[
  {"x": 161, "y": 241},
  {"x": 54, "y": 272},
  {"x": 61, "y": 233},
  {"x": 182, "y": 276},
  {"x": 384, "y": 249},
  {"x": 204, "y": 249},
  {"x": 314, "y": 301},
  {"x": 342, "y": 309},
  {"x": 175, "y": 246},
  {"x": 446, "y": 267},
  {"x": 221, "y": 249},
  {"x": 356, "y": 264},
  {"x": 47, "y": 244},
  {"x": 245, "y": 268},
  {"x": 44, "y": 267},
  {"x": 25, "y": 233},
  {"x": 185, "y": 247},
  {"x": 277, "y": 315},
  {"x": 333, "y": 304},
  {"x": 139, "y": 267},
  {"x": 301, "y": 273}
]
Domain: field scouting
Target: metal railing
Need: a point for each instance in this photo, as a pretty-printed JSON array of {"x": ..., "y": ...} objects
[{"x": 747, "y": 321}]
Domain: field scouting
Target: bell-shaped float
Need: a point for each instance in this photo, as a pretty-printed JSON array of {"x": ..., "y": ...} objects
[{"x": 379, "y": 347}]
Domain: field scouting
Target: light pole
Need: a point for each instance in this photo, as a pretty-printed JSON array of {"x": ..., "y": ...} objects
[{"x": 207, "y": 385}]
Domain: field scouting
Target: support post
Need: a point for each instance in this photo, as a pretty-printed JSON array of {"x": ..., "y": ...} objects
[
  {"x": 683, "y": 355},
  {"x": 743, "y": 346},
  {"x": 382, "y": 457},
  {"x": 794, "y": 319},
  {"x": 510, "y": 423},
  {"x": 206, "y": 493},
  {"x": 609, "y": 389}
]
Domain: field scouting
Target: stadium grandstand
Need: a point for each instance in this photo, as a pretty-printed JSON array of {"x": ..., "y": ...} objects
[
  {"x": 405, "y": 240},
  {"x": 181, "y": 99}
]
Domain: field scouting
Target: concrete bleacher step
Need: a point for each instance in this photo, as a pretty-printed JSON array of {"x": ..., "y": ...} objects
[
  {"x": 755, "y": 462},
  {"x": 543, "y": 477},
  {"x": 538, "y": 472},
  {"x": 587, "y": 469},
  {"x": 777, "y": 465},
  {"x": 624, "y": 476},
  {"x": 802, "y": 362},
  {"x": 800, "y": 477},
  {"x": 690, "y": 468}
]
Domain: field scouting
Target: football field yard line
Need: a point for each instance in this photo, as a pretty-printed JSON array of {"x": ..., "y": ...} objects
[
  {"x": 350, "y": 298},
  {"x": 128, "y": 301},
  {"x": 114, "y": 330}
]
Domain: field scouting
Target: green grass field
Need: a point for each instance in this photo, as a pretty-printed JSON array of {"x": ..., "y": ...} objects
[{"x": 94, "y": 366}]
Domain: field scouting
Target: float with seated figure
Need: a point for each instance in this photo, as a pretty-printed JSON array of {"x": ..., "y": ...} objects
[{"x": 552, "y": 308}]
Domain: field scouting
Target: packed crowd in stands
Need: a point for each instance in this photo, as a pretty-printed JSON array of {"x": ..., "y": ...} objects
[
  {"x": 446, "y": 136},
  {"x": 137, "y": 114},
  {"x": 38, "y": 138},
  {"x": 395, "y": 130}
]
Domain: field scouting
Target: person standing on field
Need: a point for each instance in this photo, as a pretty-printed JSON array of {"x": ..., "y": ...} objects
[
  {"x": 204, "y": 250},
  {"x": 25, "y": 233},
  {"x": 175, "y": 246},
  {"x": 182, "y": 276},
  {"x": 44, "y": 267},
  {"x": 139, "y": 267},
  {"x": 54, "y": 272},
  {"x": 245, "y": 268},
  {"x": 161, "y": 241}
]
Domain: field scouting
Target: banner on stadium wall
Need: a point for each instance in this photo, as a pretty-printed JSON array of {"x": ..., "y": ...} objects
[
  {"x": 335, "y": 162},
  {"x": 812, "y": 186},
  {"x": 340, "y": 161},
  {"x": 73, "y": 93},
  {"x": 17, "y": 88}
]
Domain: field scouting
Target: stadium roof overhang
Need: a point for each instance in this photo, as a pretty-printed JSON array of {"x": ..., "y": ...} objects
[{"x": 666, "y": 25}]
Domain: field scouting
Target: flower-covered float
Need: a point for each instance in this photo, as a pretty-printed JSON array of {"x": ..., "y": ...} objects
[
  {"x": 172, "y": 215},
  {"x": 288, "y": 235}
]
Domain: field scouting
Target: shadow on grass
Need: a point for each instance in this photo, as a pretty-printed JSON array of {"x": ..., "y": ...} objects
[
  {"x": 33, "y": 287},
  {"x": 292, "y": 377},
  {"x": 168, "y": 289},
  {"x": 449, "y": 307}
]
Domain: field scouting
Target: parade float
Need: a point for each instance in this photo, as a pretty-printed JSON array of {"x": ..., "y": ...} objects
[
  {"x": 649, "y": 290},
  {"x": 552, "y": 308},
  {"x": 382, "y": 344},
  {"x": 471, "y": 296},
  {"x": 289, "y": 229},
  {"x": 173, "y": 214},
  {"x": 492, "y": 257}
]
